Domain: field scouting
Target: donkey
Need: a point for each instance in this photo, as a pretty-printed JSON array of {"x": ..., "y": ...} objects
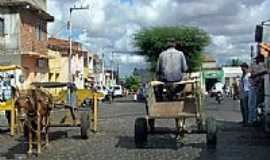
[{"x": 35, "y": 105}]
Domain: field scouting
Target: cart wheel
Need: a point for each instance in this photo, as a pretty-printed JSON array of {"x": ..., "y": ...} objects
[
  {"x": 201, "y": 124},
  {"x": 140, "y": 132},
  {"x": 85, "y": 124},
  {"x": 151, "y": 124},
  {"x": 211, "y": 137}
]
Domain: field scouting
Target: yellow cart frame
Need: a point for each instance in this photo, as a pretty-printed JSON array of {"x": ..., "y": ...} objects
[{"x": 9, "y": 105}]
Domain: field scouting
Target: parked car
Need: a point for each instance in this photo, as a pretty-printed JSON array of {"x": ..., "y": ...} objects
[
  {"x": 117, "y": 91},
  {"x": 103, "y": 90}
]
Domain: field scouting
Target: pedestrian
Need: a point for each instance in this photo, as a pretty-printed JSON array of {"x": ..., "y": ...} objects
[
  {"x": 253, "y": 92},
  {"x": 244, "y": 92},
  {"x": 235, "y": 89}
]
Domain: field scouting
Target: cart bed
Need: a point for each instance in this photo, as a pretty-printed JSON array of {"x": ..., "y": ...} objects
[{"x": 173, "y": 109}]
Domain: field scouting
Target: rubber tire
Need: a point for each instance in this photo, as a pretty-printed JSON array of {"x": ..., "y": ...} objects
[
  {"x": 211, "y": 129},
  {"x": 140, "y": 132},
  {"x": 85, "y": 124},
  {"x": 201, "y": 126},
  {"x": 151, "y": 125}
]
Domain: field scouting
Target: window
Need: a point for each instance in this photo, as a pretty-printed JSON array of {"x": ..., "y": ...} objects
[
  {"x": 50, "y": 77},
  {"x": 40, "y": 30},
  {"x": 2, "y": 27},
  {"x": 42, "y": 63}
]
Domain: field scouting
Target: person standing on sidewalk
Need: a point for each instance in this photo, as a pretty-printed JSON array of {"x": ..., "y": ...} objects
[
  {"x": 244, "y": 92},
  {"x": 253, "y": 92}
]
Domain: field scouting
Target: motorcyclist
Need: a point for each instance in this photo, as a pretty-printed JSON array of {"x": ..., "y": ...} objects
[{"x": 218, "y": 91}]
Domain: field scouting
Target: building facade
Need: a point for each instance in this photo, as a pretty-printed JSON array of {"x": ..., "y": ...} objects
[
  {"x": 211, "y": 73},
  {"x": 23, "y": 38},
  {"x": 59, "y": 62},
  {"x": 231, "y": 74}
]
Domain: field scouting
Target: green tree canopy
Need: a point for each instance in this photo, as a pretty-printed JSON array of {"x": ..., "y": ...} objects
[
  {"x": 236, "y": 62},
  {"x": 132, "y": 83},
  {"x": 192, "y": 40}
]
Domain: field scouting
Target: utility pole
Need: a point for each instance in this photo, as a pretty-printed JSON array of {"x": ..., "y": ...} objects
[
  {"x": 70, "y": 38},
  {"x": 112, "y": 68},
  {"x": 103, "y": 66},
  {"x": 251, "y": 54},
  {"x": 71, "y": 101}
]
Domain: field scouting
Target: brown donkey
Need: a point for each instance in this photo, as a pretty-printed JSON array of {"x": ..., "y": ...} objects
[{"x": 35, "y": 105}]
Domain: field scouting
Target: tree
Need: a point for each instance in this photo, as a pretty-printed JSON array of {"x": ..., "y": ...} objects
[
  {"x": 153, "y": 41},
  {"x": 236, "y": 62},
  {"x": 132, "y": 83}
]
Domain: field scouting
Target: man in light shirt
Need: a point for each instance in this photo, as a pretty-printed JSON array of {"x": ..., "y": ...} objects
[
  {"x": 171, "y": 67},
  {"x": 244, "y": 92},
  {"x": 171, "y": 64}
]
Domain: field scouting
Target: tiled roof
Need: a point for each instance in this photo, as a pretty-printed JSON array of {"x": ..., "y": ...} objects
[{"x": 63, "y": 45}]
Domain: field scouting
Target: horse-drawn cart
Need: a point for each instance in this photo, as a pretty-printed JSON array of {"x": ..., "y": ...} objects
[
  {"x": 8, "y": 105},
  {"x": 185, "y": 106},
  {"x": 83, "y": 110}
]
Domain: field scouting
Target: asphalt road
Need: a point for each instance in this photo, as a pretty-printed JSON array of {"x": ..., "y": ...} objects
[{"x": 115, "y": 138}]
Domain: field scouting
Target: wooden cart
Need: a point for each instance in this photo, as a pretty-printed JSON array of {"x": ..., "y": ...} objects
[
  {"x": 83, "y": 116},
  {"x": 188, "y": 105}
]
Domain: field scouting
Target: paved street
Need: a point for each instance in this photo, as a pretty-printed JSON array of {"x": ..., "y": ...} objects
[{"x": 114, "y": 140}]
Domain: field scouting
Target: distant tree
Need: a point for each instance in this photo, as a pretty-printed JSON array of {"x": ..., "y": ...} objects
[
  {"x": 132, "y": 83},
  {"x": 153, "y": 41},
  {"x": 236, "y": 62}
]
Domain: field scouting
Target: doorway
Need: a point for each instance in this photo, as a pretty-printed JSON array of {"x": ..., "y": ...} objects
[{"x": 209, "y": 83}]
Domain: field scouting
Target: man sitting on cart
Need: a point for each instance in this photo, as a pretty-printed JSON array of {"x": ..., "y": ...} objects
[{"x": 171, "y": 67}]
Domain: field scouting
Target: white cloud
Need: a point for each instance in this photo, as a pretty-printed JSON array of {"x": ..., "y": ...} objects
[{"x": 230, "y": 23}]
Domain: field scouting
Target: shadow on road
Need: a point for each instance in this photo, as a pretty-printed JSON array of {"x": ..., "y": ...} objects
[
  {"x": 238, "y": 142},
  {"x": 234, "y": 142},
  {"x": 4, "y": 130},
  {"x": 156, "y": 142},
  {"x": 121, "y": 116},
  {"x": 19, "y": 150},
  {"x": 16, "y": 151}
]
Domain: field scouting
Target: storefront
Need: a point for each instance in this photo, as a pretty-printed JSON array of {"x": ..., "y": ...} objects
[{"x": 210, "y": 77}]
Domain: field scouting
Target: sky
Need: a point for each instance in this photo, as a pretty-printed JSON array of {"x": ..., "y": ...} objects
[{"x": 110, "y": 24}]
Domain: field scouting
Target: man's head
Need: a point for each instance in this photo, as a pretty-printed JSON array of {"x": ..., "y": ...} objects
[
  {"x": 259, "y": 58},
  {"x": 171, "y": 45},
  {"x": 244, "y": 67}
]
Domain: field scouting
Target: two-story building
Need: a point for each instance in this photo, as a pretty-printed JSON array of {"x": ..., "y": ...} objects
[
  {"x": 81, "y": 62},
  {"x": 23, "y": 38}
]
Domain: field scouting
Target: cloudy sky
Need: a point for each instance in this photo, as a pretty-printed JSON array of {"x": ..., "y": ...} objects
[{"x": 109, "y": 24}]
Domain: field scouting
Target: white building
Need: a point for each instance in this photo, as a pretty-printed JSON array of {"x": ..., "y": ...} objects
[{"x": 230, "y": 73}]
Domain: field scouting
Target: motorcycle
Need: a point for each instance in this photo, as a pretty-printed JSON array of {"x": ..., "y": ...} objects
[{"x": 219, "y": 97}]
